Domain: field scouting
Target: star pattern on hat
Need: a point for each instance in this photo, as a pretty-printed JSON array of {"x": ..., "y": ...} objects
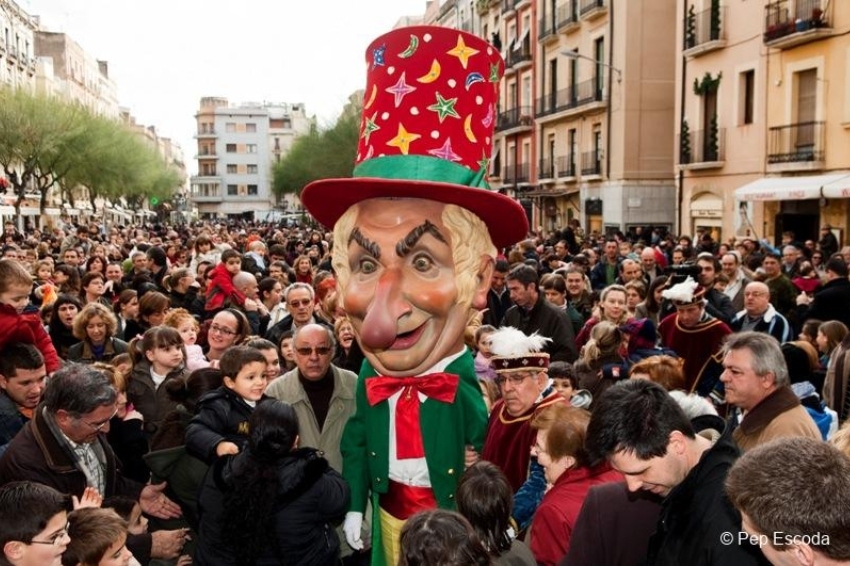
[
  {"x": 378, "y": 56},
  {"x": 403, "y": 139},
  {"x": 484, "y": 162},
  {"x": 462, "y": 52},
  {"x": 400, "y": 90},
  {"x": 444, "y": 107},
  {"x": 494, "y": 73},
  {"x": 445, "y": 151},
  {"x": 370, "y": 126}
]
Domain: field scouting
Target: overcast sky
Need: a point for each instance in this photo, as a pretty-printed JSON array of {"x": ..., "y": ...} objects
[{"x": 166, "y": 54}]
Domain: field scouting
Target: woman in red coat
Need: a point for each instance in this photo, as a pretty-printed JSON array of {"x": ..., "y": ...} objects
[{"x": 559, "y": 448}]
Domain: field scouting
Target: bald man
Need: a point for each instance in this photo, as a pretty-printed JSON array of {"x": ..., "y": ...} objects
[
  {"x": 760, "y": 316},
  {"x": 253, "y": 308}
]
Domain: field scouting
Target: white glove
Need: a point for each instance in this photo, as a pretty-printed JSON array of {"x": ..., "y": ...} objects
[{"x": 352, "y": 526}]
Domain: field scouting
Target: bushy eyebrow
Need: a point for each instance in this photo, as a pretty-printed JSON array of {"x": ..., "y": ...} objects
[
  {"x": 365, "y": 243},
  {"x": 405, "y": 245}
]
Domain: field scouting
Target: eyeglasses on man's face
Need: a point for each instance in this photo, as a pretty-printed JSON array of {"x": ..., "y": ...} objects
[
  {"x": 56, "y": 539},
  {"x": 222, "y": 330},
  {"x": 301, "y": 303},
  {"x": 514, "y": 379},
  {"x": 319, "y": 350},
  {"x": 98, "y": 426}
]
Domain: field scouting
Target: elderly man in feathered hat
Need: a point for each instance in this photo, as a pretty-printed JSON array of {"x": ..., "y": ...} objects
[
  {"x": 523, "y": 379},
  {"x": 415, "y": 235},
  {"x": 696, "y": 337}
]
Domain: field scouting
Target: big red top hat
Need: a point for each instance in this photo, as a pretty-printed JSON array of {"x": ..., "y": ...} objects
[{"x": 426, "y": 130}]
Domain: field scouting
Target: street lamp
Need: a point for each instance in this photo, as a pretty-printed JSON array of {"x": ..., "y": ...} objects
[{"x": 577, "y": 55}]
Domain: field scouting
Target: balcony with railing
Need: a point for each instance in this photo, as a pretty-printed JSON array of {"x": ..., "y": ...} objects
[
  {"x": 566, "y": 166},
  {"x": 546, "y": 170},
  {"x": 571, "y": 100},
  {"x": 509, "y": 7},
  {"x": 514, "y": 120},
  {"x": 784, "y": 27},
  {"x": 702, "y": 149},
  {"x": 523, "y": 174},
  {"x": 592, "y": 9},
  {"x": 547, "y": 28},
  {"x": 705, "y": 31},
  {"x": 520, "y": 53},
  {"x": 566, "y": 17},
  {"x": 798, "y": 146},
  {"x": 591, "y": 163}
]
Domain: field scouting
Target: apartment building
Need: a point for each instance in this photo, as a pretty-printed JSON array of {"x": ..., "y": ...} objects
[
  {"x": 237, "y": 145},
  {"x": 17, "y": 57},
  {"x": 764, "y": 117},
  {"x": 585, "y": 129}
]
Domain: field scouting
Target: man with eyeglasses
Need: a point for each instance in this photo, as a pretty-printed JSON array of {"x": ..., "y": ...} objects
[
  {"x": 760, "y": 316},
  {"x": 299, "y": 301},
  {"x": 322, "y": 395},
  {"x": 22, "y": 380},
  {"x": 64, "y": 446},
  {"x": 523, "y": 379}
]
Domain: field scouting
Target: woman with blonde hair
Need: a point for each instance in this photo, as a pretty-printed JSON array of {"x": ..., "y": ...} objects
[
  {"x": 612, "y": 308},
  {"x": 600, "y": 364},
  {"x": 95, "y": 327}
]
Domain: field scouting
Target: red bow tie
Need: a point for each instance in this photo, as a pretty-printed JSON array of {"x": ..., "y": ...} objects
[{"x": 438, "y": 386}]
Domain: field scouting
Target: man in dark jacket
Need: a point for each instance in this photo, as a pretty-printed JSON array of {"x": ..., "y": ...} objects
[
  {"x": 532, "y": 313},
  {"x": 832, "y": 302},
  {"x": 498, "y": 297},
  {"x": 606, "y": 271},
  {"x": 64, "y": 446},
  {"x": 644, "y": 434},
  {"x": 717, "y": 304},
  {"x": 22, "y": 380}
]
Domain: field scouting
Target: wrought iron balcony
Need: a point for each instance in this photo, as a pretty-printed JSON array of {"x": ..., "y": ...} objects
[
  {"x": 785, "y": 28},
  {"x": 566, "y": 16},
  {"x": 546, "y": 169},
  {"x": 702, "y": 146},
  {"x": 705, "y": 30},
  {"x": 521, "y": 53},
  {"x": 523, "y": 173},
  {"x": 796, "y": 143},
  {"x": 566, "y": 165},
  {"x": 519, "y": 117},
  {"x": 591, "y": 163},
  {"x": 570, "y": 97},
  {"x": 591, "y": 9}
]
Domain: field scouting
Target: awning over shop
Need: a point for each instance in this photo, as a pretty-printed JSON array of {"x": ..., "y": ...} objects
[
  {"x": 791, "y": 188},
  {"x": 838, "y": 189}
]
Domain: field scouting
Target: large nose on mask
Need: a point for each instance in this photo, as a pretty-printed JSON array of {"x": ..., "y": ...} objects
[{"x": 380, "y": 326}]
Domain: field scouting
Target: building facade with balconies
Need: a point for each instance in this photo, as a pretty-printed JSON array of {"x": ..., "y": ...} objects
[
  {"x": 237, "y": 145},
  {"x": 604, "y": 116},
  {"x": 762, "y": 146},
  {"x": 17, "y": 55}
]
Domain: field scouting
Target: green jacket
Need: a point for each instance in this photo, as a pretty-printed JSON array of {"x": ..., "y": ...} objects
[{"x": 446, "y": 430}]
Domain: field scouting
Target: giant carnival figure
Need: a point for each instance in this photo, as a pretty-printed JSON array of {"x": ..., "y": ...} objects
[{"x": 416, "y": 231}]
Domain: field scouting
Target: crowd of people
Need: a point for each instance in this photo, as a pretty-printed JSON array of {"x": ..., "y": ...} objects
[{"x": 180, "y": 395}]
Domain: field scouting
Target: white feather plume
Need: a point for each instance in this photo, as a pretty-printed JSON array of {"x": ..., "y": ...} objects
[
  {"x": 683, "y": 292},
  {"x": 509, "y": 342}
]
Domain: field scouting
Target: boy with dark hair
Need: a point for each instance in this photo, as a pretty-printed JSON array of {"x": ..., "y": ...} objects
[
  {"x": 98, "y": 538},
  {"x": 33, "y": 526}
]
